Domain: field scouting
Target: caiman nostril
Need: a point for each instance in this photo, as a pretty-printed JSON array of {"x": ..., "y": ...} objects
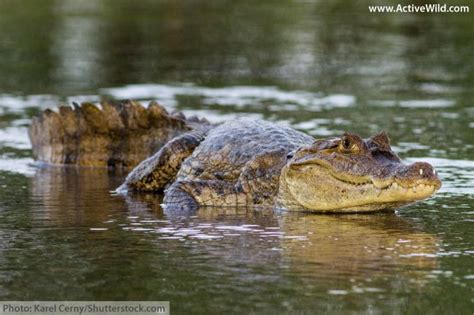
[{"x": 419, "y": 170}]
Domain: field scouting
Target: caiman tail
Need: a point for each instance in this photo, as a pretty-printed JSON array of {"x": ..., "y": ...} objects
[{"x": 118, "y": 135}]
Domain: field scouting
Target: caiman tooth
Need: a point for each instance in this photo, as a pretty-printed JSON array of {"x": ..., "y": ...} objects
[
  {"x": 95, "y": 118},
  {"x": 113, "y": 119},
  {"x": 134, "y": 115},
  {"x": 69, "y": 120}
]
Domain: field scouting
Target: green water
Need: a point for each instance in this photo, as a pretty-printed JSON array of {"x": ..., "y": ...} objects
[{"x": 322, "y": 67}]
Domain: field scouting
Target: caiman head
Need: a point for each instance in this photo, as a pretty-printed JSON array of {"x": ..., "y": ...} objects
[{"x": 350, "y": 174}]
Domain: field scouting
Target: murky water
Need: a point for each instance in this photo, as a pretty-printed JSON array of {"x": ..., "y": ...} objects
[{"x": 321, "y": 67}]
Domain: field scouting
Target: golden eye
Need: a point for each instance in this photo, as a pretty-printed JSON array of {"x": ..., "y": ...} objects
[
  {"x": 348, "y": 146},
  {"x": 355, "y": 148}
]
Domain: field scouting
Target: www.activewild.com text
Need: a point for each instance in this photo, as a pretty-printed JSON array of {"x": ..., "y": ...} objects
[{"x": 412, "y": 8}]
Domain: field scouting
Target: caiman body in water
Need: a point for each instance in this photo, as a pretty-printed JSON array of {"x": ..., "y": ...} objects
[{"x": 246, "y": 162}]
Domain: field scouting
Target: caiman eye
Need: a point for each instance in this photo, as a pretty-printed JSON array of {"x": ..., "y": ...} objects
[
  {"x": 346, "y": 144},
  {"x": 349, "y": 146}
]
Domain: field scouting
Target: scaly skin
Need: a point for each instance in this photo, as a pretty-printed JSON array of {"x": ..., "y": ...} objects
[
  {"x": 238, "y": 163},
  {"x": 161, "y": 168},
  {"x": 257, "y": 163},
  {"x": 246, "y": 162}
]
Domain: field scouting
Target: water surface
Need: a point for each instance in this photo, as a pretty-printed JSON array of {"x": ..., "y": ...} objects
[{"x": 323, "y": 68}]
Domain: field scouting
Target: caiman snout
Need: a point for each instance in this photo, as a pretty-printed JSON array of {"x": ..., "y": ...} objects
[{"x": 419, "y": 173}]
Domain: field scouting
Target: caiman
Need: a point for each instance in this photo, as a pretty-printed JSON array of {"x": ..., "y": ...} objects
[{"x": 245, "y": 162}]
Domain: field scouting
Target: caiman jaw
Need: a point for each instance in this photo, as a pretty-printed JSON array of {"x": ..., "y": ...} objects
[
  {"x": 335, "y": 191},
  {"x": 416, "y": 186},
  {"x": 416, "y": 189}
]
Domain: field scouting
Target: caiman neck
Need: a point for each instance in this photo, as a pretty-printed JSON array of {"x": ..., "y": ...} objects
[{"x": 284, "y": 198}]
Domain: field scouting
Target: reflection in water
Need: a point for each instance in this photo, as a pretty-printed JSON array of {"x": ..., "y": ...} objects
[
  {"x": 70, "y": 192},
  {"x": 361, "y": 245},
  {"x": 319, "y": 246}
]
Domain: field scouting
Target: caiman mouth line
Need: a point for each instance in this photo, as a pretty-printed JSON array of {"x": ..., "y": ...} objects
[{"x": 360, "y": 181}]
